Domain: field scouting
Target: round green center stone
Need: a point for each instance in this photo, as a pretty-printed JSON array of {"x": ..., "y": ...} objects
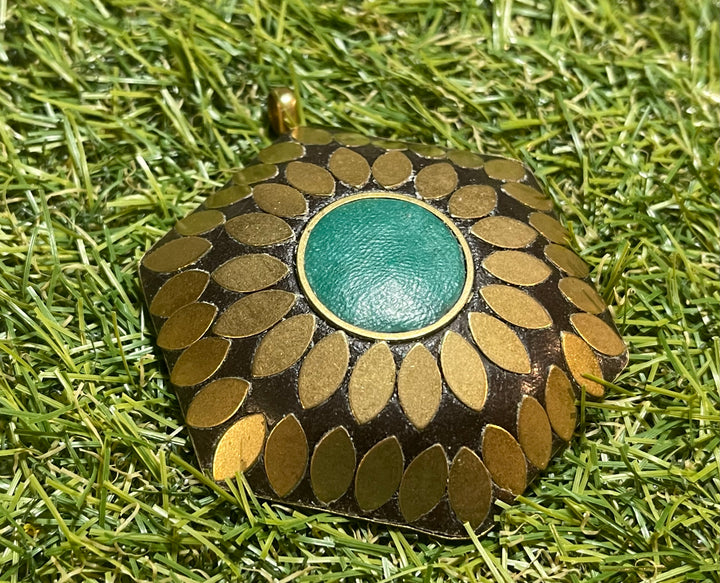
[{"x": 385, "y": 265}]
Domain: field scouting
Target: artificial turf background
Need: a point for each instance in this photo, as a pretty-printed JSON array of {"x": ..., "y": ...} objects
[{"x": 117, "y": 117}]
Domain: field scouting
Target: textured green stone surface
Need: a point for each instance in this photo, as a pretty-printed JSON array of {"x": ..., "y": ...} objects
[{"x": 384, "y": 265}]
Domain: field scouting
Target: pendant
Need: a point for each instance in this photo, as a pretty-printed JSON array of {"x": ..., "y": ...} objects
[{"x": 383, "y": 330}]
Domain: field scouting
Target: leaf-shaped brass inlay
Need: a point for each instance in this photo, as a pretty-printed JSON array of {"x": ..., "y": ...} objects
[
  {"x": 254, "y": 313},
  {"x": 464, "y": 370},
  {"x": 504, "y": 232},
  {"x": 472, "y": 201},
  {"x": 258, "y": 229},
  {"x": 199, "y": 222},
  {"x": 379, "y": 474},
  {"x": 419, "y": 386},
  {"x": 528, "y": 196},
  {"x": 534, "y": 433},
  {"x": 249, "y": 273},
  {"x": 504, "y": 459},
  {"x": 423, "y": 483},
  {"x": 333, "y": 465},
  {"x": 436, "y": 181},
  {"x": 582, "y": 295},
  {"x": 180, "y": 290},
  {"x": 255, "y": 173},
  {"x": 516, "y": 306},
  {"x": 323, "y": 370},
  {"x": 199, "y": 362},
  {"x": 349, "y": 167},
  {"x": 176, "y": 254},
  {"x": 581, "y": 361},
  {"x": 499, "y": 343},
  {"x": 279, "y": 200},
  {"x": 504, "y": 169},
  {"x": 566, "y": 260},
  {"x": 312, "y": 136},
  {"x": 228, "y": 196},
  {"x": 598, "y": 334},
  {"x": 281, "y": 152},
  {"x": 549, "y": 228},
  {"x": 239, "y": 447},
  {"x": 216, "y": 402},
  {"x": 392, "y": 169},
  {"x": 560, "y": 403},
  {"x": 469, "y": 488},
  {"x": 186, "y": 326},
  {"x": 517, "y": 267},
  {"x": 465, "y": 159},
  {"x": 372, "y": 382},
  {"x": 286, "y": 455},
  {"x": 310, "y": 178},
  {"x": 283, "y": 346}
]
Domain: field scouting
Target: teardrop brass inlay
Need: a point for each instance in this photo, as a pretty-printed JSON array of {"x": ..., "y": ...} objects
[
  {"x": 566, "y": 260},
  {"x": 283, "y": 346},
  {"x": 199, "y": 222},
  {"x": 469, "y": 488},
  {"x": 528, "y": 196},
  {"x": 464, "y": 370},
  {"x": 549, "y": 228},
  {"x": 279, "y": 200},
  {"x": 505, "y": 170},
  {"x": 281, "y": 152},
  {"x": 534, "y": 432},
  {"x": 176, "y": 254},
  {"x": 423, "y": 483},
  {"x": 499, "y": 343},
  {"x": 351, "y": 139},
  {"x": 249, "y": 273},
  {"x": 465, "y": 159},
  {"x": 598, "y": 334},
  {"x": 504, "y": 232},
  {"x": 472, "y": 201},
  {"x": 392, "y": 169},
  {"x": 228, "y": 196},
  {"x": 582, "y": 295},
  {"x": 349, "y": 167},
  {"x": 419, "y": 386},
  {"x": 310, "y": 178},
  {"x": 436, "y": 181},
  {"x": 581, "y": 361},
  {"x": 428, "y": 151},
  {"x": 560, "y": 403},
  {"x": 255, "y": 173},
  {"x": 180, "y": 290},
  {"x": 379, "y": 474},
  {"x": 186, "y": 326},
  {"x": 254, "y": 313},
  {"x": 372, "y": 382},
  {"x": 239, "y": 447},
  {"x": 333, "y": 465},
  {"x": 258, "y": 229},
  {"x": 323, "y": 370},
  {"x": 504, "y": 459},
  {"x": 517, "y": 267},
  {"x": 516, "y": 306},
  {"x": 312, "y": 136},
  {"x": 286, "y": 456},
  {"x": 199, "y": 362},
  {"x": 216, "y": 402}
]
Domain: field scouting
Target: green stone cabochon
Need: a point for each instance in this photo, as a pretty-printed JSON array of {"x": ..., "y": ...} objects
[{"x": 384, "y": 265}]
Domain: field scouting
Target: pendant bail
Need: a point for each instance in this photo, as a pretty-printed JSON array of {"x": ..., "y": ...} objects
[{"x": 283, "y": 110}]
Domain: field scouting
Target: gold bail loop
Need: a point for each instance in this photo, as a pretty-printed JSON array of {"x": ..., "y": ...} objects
[{"x": 283, "y": 110}]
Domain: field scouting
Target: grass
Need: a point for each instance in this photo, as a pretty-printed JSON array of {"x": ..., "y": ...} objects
[{"x": 117, "y": 117}]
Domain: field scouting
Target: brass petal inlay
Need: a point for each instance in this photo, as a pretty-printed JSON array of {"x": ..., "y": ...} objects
[
  {"x": 351, "y": 139},
  {"x": 281, "y": 152},
  {"x": 582, "y": 295},
  {"x": 392, "y": 169},
  {"x": 560, "y": 403},
  {"x": 390, "y": 144},
  {"x": 178, "y": 291},
  {"x": 249, "y": 273},
  {"x": 423, "y": 483},
  {"x": 372, "y": 382},
  {"x": 534, "y": 432},
  {"x": 505, "y": 170},
  {"x": 465, "y": 159},
  {"x": 228, "y": 196},
  {"x": 464, "y": 370},
  {"x": 255, "y": 173},
  {"x": 504, "y": 232},
  {"x": 549, "y": 228},
  {"x": 186, "y": 326},
  {"x": 286, "y": 456},
  {"x": 310, "y": 178},
  {"x": 436, "y": 181},
  {"x": 517, "y": 267},
  {"x": 469, "y": 488},
  {"x": 598, "y": 334},
  {"x": 283, "y": 346},
  {"x": 312, "y": 136},
  {"x": 566, "y": 260},
  {"x": 472, "y": 201},
  {"x": 216, "y": 402},
  {"x": 279, "y": 200},
  {"x": 254, "y": 313},
  {"x": 323, "y": 370},
  {"x": 199, "y": 362},
  {"x": 258, "y": 229},
  {"x": 428, "y": 151},
  {"x": 528, "y": 196},
  {"x": 419, "y": 386},
  {"x": 349, "y": 167},
  {"x": 499, "y": 343},
  {"x": 516, "y": 306},
  {"x": 333, "y": 465},
  {"x": 177, "y": 254},
  {"x": 199, "y": 222},
  {"x": 504, "y": 459},
  {"x": 581, "y": 361},
  {"x": 379, "y": 474},
  {"x": 239, "y": 447}
]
